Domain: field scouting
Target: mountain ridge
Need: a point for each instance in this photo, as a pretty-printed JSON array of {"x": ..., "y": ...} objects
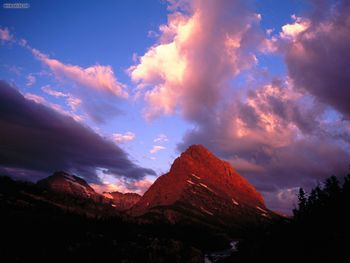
[
  {"x": 70, "y": 184},
  {"x": 202, "y": 186},
  {"x": 198, "y": 189}
]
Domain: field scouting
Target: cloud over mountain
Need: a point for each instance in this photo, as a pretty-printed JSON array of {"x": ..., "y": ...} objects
[
  {"x": 279, "y": 132},
  {"x": 35, "y": 140}
]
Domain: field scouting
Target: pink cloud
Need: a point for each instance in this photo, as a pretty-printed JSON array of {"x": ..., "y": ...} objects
[
  {"x": 156, "y": 148},
  {"x": 109, "y": 187},
  {"x": 126, "y": 137},
  {"x": 124, "y": 186},
  {"x": 143, "y": 184},
  {"x": 97, "y": 77},
  {"x": 292, "y": 31},
  {"x": 35, "y": 98},
  {"x": 47, "y": 89},
  {"x": 197, "y": 52}
]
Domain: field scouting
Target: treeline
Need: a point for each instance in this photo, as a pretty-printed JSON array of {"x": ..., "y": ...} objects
[
  {"x": 318, "y": 232},
  {"x": 324, "y": 200}
]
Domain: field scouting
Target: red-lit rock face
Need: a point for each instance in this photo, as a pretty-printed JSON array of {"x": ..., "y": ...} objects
[{"x": 199, "y": 180}]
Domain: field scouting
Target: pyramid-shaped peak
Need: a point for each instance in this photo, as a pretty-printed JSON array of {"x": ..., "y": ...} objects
[
  {"x": 198, "y": 150},
  {"x": 201, "y": 180}
]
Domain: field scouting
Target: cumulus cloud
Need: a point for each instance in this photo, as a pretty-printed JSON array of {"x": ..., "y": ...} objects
[
  {"x": 318, "y": 53},
  {"x": 202, "y": 46},
  {"x": 276, "y": 133},
  {"x": 36, "y": 140},
  {"x": 292, "y": 31},
  {"x": 96, "y": 77},
  {"x": 156, "y": 148},
  {"x": 126, "y": 137},
  {"x": 278, "y": 138}
]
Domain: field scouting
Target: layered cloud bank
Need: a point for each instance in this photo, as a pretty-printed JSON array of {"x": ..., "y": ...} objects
[
  {"x": 280, "y": 133},
  {"x": 36, "y": 140}
]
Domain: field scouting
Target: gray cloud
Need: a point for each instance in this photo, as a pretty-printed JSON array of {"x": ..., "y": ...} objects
[
  {"x": 318, "y": 59},
  {"x": 36, "y": 140}
]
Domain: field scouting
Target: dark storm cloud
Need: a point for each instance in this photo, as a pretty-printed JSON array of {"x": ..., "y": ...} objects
[
  {"x": 318, "y": 59},
  {"x": 36, "y": 140}
]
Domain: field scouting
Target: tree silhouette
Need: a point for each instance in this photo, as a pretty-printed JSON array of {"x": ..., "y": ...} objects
[
  {"x": 318, "y": 232},
  {"x": 302, "y": 202}
]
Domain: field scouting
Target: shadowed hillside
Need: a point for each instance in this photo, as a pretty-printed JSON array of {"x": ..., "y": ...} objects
[{"x": 318, "y": 232}]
